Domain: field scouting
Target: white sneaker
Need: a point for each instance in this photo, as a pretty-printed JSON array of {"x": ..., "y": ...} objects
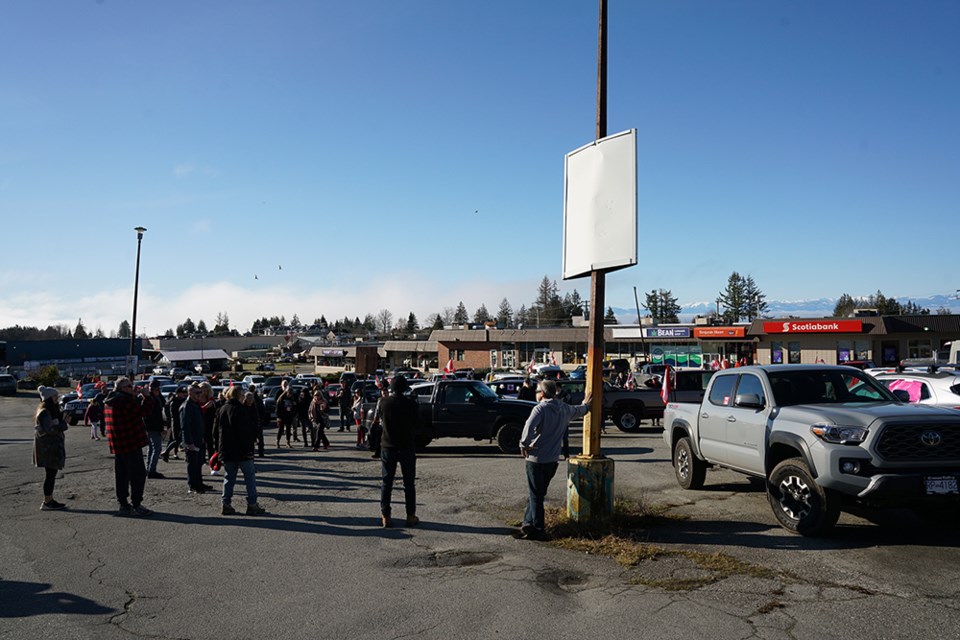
[{"x": 213, "y": 472}]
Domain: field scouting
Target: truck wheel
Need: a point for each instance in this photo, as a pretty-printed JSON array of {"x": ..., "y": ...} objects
[
  {"x": 799, "y": 503},
  {"x": 73, "y": 420},
  {"x": 508, "y": 437},
  {"x": 627, "y": 419},
  {"x": 690, "y": 470},
  {"x": 421, "y": 442}
]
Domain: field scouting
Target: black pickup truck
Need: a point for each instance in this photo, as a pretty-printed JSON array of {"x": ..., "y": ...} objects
[{"x": 471, "y": 409}]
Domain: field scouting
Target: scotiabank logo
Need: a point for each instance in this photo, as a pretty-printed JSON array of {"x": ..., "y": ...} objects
[{"x": 816, "y": 326}]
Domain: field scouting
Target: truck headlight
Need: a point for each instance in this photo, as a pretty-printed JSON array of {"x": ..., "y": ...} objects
[{"x": 836, "y": 434}]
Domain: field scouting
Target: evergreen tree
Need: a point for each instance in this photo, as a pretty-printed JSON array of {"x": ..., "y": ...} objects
[
  {"x": 844, "y": 306},
  {"x": 412, "y": 324},
  {"x": 168, "y": 334},
  {"x": 576, "y": 304},
  {"x": 523, "y": 316},
  {"x": 124, "y": 330},
  {"x": 482, "y": 315},
  {"x": 505, "y": 315},
  {"x": 662, "y": 306},
  {"x": 437, "y": 321},
  {"x": 99, "y": 332},
  {"x": 223, "y": 323},
  {"x": 80, "y": 333},
  {"x": 756, "y": 304},
  {"x": 295, "y": 322},
  {"x": 369, "y": 322},
  {"x": 460, "y": 316},
  {"x": 733, "y": 299},
  {"x": 611, "y": 317},
  {"x": 202, "y": 327}
]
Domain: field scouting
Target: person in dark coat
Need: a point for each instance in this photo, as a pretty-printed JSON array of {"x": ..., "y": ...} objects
[
  {"x": 49, "y": 445},
  {"x": 192, "y": 430},
  {"x": 399, "y": 417},
  {"x": 236, "y": 432},
  {"x": 318, "y": 417},
  {"x": 303, "y": 416},
  {"x": 172, "y": 411},
  {"x": 153, "y": 406},
  {"x": 528, "y": 391},
  {"x": 127, "y": 437},
  {"x": 286, "y": 412},
  {"x": 345, "y": 400}
]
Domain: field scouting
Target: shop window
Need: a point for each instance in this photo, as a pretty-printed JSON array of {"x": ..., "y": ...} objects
[
  {"x": 776, "y": 352},
  {"x": 920, "y": 349},
  {"x": 862, "y": 349},
  {"x": 793, "y": 352},
  {"x": 844, "y": 351},
  {"x": 888, "y": 353}
]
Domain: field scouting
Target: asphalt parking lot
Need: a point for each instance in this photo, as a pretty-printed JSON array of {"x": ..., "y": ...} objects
[{"x": 319, "y": 566}]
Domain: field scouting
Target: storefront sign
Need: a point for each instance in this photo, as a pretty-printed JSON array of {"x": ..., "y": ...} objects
[
  {"x": 669, "y": 332},
  {"x": 814, "y": 326},
  {"x": 333, "y": 353},
  {"x": 720, "y": 332}
]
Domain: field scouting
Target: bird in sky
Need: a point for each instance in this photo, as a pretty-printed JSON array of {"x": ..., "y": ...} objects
[
  {"x": 255, "y": 277},
  {"x": 279, "y": 268}
]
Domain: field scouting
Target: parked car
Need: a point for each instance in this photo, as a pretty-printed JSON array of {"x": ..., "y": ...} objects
[
  {"x": 74, "y": 405},
  {"x": 332, "y": 390},
  {"x": 254, "y": 381},
  {"x": 507, "y": 387},
  {"x": 936, "y": 389},
  {"x": 580, "y": 373},
  {"x": 178, "y": 373},
  {"x": 648, "y": 372},
  {"x": 8, "y": 384},
  {"x": 161, "y": 371},
  {"x": 266, "y": 366}
]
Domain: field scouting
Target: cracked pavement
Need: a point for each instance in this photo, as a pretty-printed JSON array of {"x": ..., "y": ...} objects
[{"x": 319, "y": 566}]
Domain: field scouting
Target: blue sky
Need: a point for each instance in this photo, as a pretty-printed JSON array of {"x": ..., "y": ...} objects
[{"x": 409, "y": 155}]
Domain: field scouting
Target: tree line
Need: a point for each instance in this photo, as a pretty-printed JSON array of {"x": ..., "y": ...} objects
[{"x": 740, "y": 300}]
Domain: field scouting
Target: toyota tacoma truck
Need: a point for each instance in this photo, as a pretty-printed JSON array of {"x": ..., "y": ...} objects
[{"x": 819, "y": 435}]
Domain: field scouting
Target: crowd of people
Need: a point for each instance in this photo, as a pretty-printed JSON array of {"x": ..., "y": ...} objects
[{"x": 226, "y": 434}]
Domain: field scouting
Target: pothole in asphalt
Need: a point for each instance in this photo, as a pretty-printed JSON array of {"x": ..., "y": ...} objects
[
  {"x": 453, "y": 558},
  {"x": 561, "y": 581}
]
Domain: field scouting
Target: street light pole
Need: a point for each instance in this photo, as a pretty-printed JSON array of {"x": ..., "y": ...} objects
[{"x": 136, "y": 291}]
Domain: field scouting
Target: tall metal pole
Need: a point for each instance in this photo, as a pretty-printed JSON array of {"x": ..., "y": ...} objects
[
  {"x": 136, "y": 291},
  {"x": 595, "y": 345}
]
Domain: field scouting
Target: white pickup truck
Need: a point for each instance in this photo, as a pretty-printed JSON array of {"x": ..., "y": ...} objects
[{"x": 819, "y": 434}]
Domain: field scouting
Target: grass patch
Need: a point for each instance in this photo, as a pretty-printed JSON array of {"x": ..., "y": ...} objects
[{"x": 624, "y": 537}]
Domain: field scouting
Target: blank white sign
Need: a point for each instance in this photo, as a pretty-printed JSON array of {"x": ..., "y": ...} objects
[{"x": 600, "y": 206}]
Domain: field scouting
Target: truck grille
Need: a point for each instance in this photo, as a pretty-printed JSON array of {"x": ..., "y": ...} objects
[{"x": 910, "y": 442}]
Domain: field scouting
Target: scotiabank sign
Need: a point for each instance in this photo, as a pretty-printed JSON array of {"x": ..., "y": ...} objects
[
  {"x": 814, "y": 326},
  {"x": 720, "y": 332}
]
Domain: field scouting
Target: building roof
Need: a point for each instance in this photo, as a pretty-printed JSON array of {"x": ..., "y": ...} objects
[
  {"x": 944, "y": 324},
  {"x": 182, "y": 356},
  {"x": 411, "y": 346}
]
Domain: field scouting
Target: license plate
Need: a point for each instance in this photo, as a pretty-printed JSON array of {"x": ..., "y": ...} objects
[{"x": 941, "y": 484}]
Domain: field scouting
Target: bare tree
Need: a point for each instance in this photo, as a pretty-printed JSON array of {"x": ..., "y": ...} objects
[{"x": 384, "y": 320}]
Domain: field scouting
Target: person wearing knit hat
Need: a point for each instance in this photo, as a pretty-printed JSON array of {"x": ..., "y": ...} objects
[{"x": 49, "y": 445}]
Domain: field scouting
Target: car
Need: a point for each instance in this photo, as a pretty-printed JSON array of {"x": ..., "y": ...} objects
[
  {"x": 270, "y": 397},
  {"x": 162, "y": 379},
  {"x": 201, "y": 367},
  {"x": 161, "y": 371},
  {"x": 507, "y": 387},
  {"x": 859, "y": 364},
  {"x": 550, "y": 372},
  {"x": 648, "y": 372},
  {"x": 74, "y": 406},
  {"x": 331, "y": 391},
  {"x": 255, "y": 382},
  {"x": 580, "y": 373},
  {"x": 266, "y": 366},
  {"x": 167, "y": 390},
  {"x": 8, "y": 384},
  {"x": 272, "y": 382},
  {"x": 936, "y": 389},
  {"x": 177, "y": 373},
  {"x": 347, "y": 378}
]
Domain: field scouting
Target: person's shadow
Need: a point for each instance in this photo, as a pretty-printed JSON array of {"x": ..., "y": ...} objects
[{"x": 23, "y": 599}]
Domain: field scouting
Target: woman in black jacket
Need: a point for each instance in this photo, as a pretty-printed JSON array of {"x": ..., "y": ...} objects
[
  {"x": 49, "y": 446},
  {"x": 236, "y": 432}
]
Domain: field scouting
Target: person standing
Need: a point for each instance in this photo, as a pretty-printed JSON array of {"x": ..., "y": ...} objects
[
  {"x": 541, "y": 444},
  {"x": 49, "y": 444},
  {"x": 261, "y": 414},
  {"x": 208, "y": 407},
  {"x": 527, "y": 391},
  {"x": 192, "y": 429},
  {"x": 153, "y": 406},
  {"x": 172, "y": 411},
  {"x": 236, "y": 431},
  {"x": 303, "y": 416},
  {"x": 126, "y": 435},
  {"x": 344, "y": 399},
  {"x": 93, "y": 416},
  {"x": 286, "y": 412},
  {"x": 399, "y": 417},
  {"x": 318, "y": 417},
  {"x": 357, "y": 408}
]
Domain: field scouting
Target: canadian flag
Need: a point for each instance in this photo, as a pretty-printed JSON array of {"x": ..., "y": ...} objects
[
  {"x": 667, "y": 384},
  {"x": 449, "y": 368},
  {"x": 553, "y": 360},
  {"x": 533, "y": 361},
  {"x": 724, "y": 364},
  {"x": 79, "y": 387}
]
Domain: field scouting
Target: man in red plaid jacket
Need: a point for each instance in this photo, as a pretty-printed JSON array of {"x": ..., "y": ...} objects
[{"x": 127, "y": 436}]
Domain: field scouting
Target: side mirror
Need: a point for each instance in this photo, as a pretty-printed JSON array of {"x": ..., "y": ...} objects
[
  {"x": 749, "y": 401},
  {"x": 902, "y": 395}
]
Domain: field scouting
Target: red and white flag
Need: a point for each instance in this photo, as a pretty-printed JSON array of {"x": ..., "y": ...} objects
[
  {"x": 667, "y": 384},
  {"x": 449, "y": 368},
  {"x": 79, "y": 387},
  {"x": 553, "y": 360},
  {"x": 533, "y": 361},
  {"x": 724, "y": 364}
]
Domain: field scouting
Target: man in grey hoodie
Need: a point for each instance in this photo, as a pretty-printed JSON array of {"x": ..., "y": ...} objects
[{"x": 542, "y": 444}]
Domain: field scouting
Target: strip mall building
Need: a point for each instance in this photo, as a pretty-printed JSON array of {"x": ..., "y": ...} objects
[{"x": 883, "y": 340}]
